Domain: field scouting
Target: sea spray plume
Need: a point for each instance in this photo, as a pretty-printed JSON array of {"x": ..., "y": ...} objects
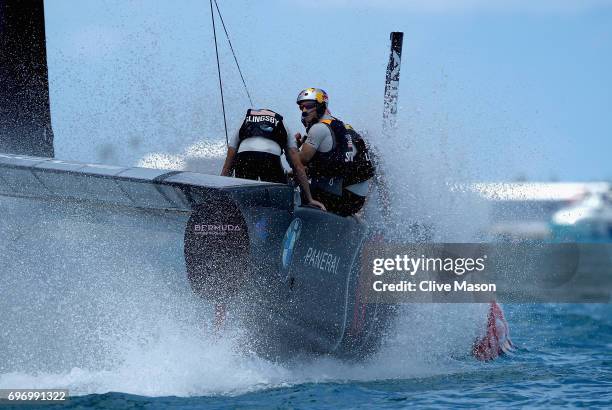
[
  {"x": 203, "y": 156},
  {"x": 420, "y": 176}
]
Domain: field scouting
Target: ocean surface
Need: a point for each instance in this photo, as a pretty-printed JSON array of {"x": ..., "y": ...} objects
[{"x": 563, "y": 357}]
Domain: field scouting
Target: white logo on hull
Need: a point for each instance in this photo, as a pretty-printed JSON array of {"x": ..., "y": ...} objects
[{"x": 325, "y": 261}]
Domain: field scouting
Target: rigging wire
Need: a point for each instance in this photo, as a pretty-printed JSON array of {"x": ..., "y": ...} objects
[
  {"x": 234, "y": 54},
  {"x": 212, "y": 16}
]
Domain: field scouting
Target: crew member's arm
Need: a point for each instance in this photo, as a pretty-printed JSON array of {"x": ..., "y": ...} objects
[
  {"x": 228, "y": 166},
  {"x": 293, "y": 158},
  {"x": 299, "y": 140},
  {"x": 300, "y": 175},
  {"x": 319, "y": 138},
  {"x": 232, "y": 149},
  {"x": 306, "y": 153}
]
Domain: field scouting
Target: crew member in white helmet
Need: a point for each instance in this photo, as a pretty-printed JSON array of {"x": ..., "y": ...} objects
[{"x": 336, "y": 156}]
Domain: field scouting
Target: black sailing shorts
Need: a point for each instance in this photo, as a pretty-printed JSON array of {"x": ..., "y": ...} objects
[
  {"x": 347, "y": 204},
  {"x": 260, "y": 166}
]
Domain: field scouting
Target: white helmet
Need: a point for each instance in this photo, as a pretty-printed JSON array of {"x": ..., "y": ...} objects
[{"x": 313, "y": 94}]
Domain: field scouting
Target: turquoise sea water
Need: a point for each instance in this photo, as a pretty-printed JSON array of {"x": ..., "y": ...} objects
[{"x": 563, "y": 358}]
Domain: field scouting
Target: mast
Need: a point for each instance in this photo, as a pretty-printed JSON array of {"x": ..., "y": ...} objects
[
  {"x": 25, "y": 117},
  {"x": 392, "y": 84}
]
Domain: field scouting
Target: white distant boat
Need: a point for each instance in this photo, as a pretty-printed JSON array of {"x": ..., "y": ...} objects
[{"x": 590, "y": 218}]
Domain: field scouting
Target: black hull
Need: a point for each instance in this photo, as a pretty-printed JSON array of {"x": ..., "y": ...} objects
[{"x": 291, "y": 273}]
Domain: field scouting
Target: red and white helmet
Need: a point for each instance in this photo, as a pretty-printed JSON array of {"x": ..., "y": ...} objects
[{"x": 313, "y": 94}]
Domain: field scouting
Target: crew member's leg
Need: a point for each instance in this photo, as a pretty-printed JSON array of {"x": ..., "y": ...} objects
[
  {"x": 347, "y": 204},
  {"x": 352, "y": 203},
  {"x": 333, "y": 203}
]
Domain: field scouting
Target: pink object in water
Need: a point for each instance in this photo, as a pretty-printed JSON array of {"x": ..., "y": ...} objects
[{"x": 496, "y": 340}]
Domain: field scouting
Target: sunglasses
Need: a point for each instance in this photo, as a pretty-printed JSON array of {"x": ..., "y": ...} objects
[{"x": 307, "y": 106}]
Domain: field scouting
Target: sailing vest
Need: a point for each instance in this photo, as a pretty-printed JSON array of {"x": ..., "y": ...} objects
[
  {"x": 347, "y": 163},
  {"x": 266, "y": 124}
]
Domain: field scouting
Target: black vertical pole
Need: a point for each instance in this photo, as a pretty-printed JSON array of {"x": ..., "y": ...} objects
[
  {"x": 25, "y": 117},
  {"x": 392, "y": 83}
]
